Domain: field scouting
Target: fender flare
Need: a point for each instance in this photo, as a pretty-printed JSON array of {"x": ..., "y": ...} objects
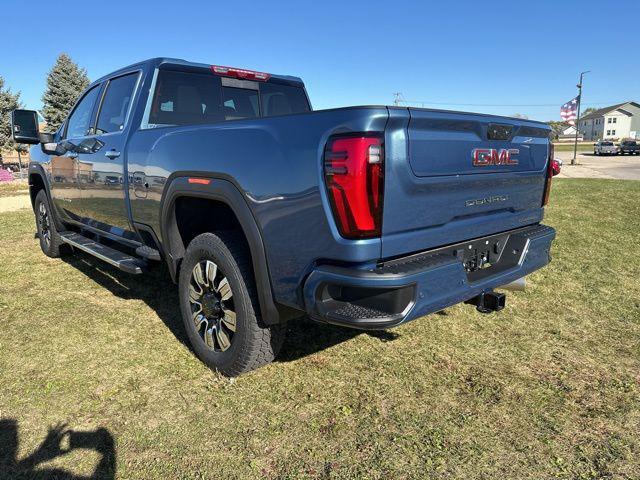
[
  {"x": 224, "y": 191},
  {"x": 35, "y": 169}
]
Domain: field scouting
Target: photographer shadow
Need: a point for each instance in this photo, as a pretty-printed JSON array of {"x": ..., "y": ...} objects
[{"x": 99, "y": 440}]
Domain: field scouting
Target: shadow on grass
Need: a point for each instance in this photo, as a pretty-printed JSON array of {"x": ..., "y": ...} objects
[
  {"x": 59, "y": 441},
  {"x": 155, "y": 288}
]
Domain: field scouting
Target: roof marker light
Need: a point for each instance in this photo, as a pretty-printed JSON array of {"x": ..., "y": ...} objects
[
  {"x": 240, "y": 73},
  {"x": 199, "y": 181}
]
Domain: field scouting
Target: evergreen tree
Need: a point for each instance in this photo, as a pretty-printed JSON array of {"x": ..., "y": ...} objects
[
  {"x": 8, "y": 101},
  {"x": 65, "y": 82}
]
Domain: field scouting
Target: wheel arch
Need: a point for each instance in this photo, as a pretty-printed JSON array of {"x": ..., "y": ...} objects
[
  {"x": 225, "y": 192},
  {"x": 37, "y": 182}
]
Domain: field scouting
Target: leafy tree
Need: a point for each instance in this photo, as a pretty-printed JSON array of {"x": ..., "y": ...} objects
[
  {"x": 65, "y": 82},
  {"x": 557, "y": 127},
  {"x": 8, "y": 101},
  {"x": 587, "y": 111}
]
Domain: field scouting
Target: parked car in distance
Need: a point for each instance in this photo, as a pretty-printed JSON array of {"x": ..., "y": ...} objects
[
  {"x": 264, "y": 210},
  {"x": 629, "y": 146},
  {"x": 605, "y": 147}
]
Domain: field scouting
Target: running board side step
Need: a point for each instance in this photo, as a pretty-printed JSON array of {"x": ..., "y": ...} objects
[{"x": 118, "y": 259}]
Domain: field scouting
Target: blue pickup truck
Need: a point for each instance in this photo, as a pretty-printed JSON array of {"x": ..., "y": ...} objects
[{"x": 264, "y": 210}]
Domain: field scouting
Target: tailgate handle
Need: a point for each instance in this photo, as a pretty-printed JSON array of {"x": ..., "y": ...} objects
[{"x": 497, "y": 131}]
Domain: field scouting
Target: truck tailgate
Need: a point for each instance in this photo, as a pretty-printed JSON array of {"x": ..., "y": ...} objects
[{"x": 463, "y": 176}]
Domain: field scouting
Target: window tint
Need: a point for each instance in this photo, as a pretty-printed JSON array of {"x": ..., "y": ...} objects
[
  {"x": 183, "y": 98},
  {"x": 240, "y": 103},
  {"x": 282, "y": 99},
  {"x": 80, "y": 120},
  {"x": 116, "y": 103}
]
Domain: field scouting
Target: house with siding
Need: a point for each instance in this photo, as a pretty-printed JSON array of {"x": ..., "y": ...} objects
[{"x": 612, "y": 123}]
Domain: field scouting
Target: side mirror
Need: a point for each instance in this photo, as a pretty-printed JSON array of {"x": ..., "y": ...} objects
[{"x": 24, "y": 126}]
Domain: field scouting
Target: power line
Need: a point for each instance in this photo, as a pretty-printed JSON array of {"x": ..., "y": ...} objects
[{"x": 398, "y": 100}]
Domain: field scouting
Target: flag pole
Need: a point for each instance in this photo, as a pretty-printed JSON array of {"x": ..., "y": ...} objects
[{"x": 575, "y": 142}]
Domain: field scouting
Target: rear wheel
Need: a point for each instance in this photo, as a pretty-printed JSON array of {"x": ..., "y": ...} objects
[
  {"x": 219, "y": 305},
  {"x": 50, "y": 241}
]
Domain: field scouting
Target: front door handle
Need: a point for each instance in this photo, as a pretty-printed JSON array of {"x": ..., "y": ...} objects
[{"x": 112, "y": 154}]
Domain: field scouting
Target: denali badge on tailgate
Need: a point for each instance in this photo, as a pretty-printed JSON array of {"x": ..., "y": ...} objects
[
  {"x": 483, "y": 157},
  {"x": 486, "y": 200}
]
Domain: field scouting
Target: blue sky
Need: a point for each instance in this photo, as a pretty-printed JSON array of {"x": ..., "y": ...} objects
[{"x": 519, "y": 55}]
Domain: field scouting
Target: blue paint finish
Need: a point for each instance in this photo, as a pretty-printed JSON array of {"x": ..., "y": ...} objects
[
  {"x": 436, "y": 288},
  {"x": 276, "y": 164}
]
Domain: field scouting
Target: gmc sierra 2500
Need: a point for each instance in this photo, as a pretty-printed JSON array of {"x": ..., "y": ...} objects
[{"x": 264, "y": 210}]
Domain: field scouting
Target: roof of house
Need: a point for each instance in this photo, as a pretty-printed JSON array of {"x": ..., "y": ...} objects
[{"x": 605, "y": 110}]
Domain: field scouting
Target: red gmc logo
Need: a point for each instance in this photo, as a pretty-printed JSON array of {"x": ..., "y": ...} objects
[{"x": 483, "y": 157}]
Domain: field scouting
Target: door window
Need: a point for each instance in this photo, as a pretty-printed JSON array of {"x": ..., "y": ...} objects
[
  {"x": 80, "y": 120},
  {"x": 115, "y": 106}
]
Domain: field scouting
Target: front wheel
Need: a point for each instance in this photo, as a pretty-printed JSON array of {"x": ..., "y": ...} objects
[
  {"x": 50, "y": 241},
  {"x": 219, "y": 305}
]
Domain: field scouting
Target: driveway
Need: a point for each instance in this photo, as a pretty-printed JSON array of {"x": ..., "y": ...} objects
[
  {"x": 14, "y": 202},
  {"x": 624, "y": 167}
]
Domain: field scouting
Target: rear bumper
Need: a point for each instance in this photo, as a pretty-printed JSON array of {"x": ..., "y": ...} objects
[{"x": 407, "y": 288}]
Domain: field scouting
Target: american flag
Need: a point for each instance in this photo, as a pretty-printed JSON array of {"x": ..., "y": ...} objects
[{"x": 568, "y": 111}]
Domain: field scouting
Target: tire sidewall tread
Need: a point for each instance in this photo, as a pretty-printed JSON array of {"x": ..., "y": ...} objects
[{"x": 254, "y": 343}]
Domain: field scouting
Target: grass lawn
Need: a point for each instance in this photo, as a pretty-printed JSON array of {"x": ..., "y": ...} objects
[
  {"x": 568, "y": 147},
  {"x": 547, "y": 388}
]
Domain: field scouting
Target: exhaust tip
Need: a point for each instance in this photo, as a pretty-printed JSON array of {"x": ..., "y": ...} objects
[{"x": 518, "y": 285}]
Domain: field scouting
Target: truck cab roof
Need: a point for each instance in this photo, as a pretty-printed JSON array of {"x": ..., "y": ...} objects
[{"x": 196, "y": 66}]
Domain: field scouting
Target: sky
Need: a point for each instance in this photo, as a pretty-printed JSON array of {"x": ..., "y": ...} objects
[{"x": 506, "y": 58}]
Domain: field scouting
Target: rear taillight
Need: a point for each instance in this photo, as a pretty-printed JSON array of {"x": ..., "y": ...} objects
[
  {"x": 553, "y": 169},
  {"x": 353, "y": 171}
]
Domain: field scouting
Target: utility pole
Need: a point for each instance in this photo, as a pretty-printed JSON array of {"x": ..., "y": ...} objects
[
  {"x": 575, "y": 143},
  {"x": 397, "y": 98}
]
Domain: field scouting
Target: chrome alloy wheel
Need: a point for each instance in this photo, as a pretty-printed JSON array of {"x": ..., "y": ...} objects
[
  {"x": 212, "y": 308},
  {"x": 45, "y": 224}
]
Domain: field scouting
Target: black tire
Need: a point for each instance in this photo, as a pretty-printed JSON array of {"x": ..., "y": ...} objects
[
  {"x": 50, "y": 241},
  {"x": 252, "y": 343}
]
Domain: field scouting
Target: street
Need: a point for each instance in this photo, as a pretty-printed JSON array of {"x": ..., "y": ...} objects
[{"x": 623, "y": 167}]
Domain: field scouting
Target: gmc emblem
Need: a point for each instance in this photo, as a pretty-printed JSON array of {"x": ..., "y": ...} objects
[{"x": 483, "y": 157}]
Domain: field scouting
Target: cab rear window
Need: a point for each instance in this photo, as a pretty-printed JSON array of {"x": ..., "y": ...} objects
[{"x": 184, "y": 98}]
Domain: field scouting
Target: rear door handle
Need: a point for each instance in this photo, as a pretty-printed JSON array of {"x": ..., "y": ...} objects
[{"x": 112, "y": 154}]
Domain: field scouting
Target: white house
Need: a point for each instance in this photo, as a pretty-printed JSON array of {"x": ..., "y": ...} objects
[
  {"x": 612, "y": 123},
  {"x": 569, "y": 134}
]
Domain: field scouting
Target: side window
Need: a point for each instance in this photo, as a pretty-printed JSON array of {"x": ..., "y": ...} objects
[
  {"x": 115, "y": 105},
  {"x": 80, "y": 120}
]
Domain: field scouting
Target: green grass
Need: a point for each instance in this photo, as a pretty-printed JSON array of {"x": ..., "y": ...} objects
[
  {"x": 568, "y": 147},
  {"x": 15, "y": 187},
  {"x": 547, "y": 388}
]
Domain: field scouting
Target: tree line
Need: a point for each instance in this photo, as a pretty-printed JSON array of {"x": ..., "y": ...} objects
[{"x": 65, "y": 82}]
